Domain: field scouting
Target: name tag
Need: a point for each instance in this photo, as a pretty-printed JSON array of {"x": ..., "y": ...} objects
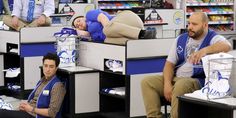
[
  {"x": 46, "y": 92},
  {"x": 38, "y": 2}
]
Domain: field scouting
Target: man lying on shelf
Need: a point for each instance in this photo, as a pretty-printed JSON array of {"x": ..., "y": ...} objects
[
  {"x": 30, "y": 13},
  {"x": 100, "y": 26},
  {"x": 46, "y": 98},
  {"x": 183, "y": 72}
]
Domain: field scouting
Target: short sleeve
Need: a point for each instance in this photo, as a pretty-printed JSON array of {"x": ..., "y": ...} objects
[
  {"x": 172, "y": 56},
  {"x": 219, "y": 38},
  {"x": 92, "y": 15}
]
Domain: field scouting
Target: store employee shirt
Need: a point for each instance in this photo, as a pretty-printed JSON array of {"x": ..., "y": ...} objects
[
  {"x": 20, "y": 8},
  {"x": 186, "y": 69}
]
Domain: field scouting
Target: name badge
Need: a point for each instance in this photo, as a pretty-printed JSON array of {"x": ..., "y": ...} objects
[
  {"x": 38, "y": 2},
  {"x": 46, "y": 92}
]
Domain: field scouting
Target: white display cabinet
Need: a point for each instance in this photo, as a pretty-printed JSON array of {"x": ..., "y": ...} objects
[
  {"x": 24, "y": 50},
  {"x": 139, "y": 58}
]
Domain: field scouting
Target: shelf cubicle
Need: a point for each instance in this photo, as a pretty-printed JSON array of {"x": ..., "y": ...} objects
[
  {"x": 1, "y": 71},
  {"x": 25, "y": 50},
  {"x": 138, "y": 57}
]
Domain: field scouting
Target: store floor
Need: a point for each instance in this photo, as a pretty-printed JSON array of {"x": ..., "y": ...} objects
[
  {"x": 113, "y": 116},
  {"x": 118, "y": 115},
  {"x": 15, "y": 103}
]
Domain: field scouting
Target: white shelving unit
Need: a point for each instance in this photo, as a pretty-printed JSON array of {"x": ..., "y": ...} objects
[
  {"x": 112, "y": 6},
  {"x": 221, "y": 13}
]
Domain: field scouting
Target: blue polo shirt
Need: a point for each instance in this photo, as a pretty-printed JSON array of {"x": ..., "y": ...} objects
[{"x": 94, "y": 27}]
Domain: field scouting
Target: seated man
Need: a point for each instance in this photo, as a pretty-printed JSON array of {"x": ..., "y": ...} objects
[
  {"x": 183, "y": 72},
  {"x": 46, "y": 98},
  {"x": 101, "y": 26},
  {"x": 30, "y": 13}
]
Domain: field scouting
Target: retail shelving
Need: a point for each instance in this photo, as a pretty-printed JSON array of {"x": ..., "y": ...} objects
[
  {"x": 24, "y": 51},
  {"x": 113, "y": 6},
  {"x": 125, "y": 101},
  {"x": 221, "y": 13},
  {"x": 110, "y": 102}
]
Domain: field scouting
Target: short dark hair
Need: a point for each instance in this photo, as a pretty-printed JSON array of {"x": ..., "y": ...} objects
[
  {"x": 52, "y": 56},
  {"x": 75, "y": 19}
]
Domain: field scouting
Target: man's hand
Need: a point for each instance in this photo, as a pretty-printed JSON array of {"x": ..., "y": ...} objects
[
  {"x": 196, "y": 57},
  {"x": 24, "y": 106},
  {"x": 168, "y": 91},
  {"x": 15, "y": 22},
  {"x": 41, "y": 20}
]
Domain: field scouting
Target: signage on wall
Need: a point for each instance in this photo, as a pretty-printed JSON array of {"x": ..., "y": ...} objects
[
  {"x": 153, "y": 17},
  {"x": 178, "y": 17},
  {"x": 67, "y": 10}
]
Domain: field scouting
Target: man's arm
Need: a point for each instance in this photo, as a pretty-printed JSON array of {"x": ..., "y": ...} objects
[
  {"x": 17, "y": 8},
  {"x": 24, "y": 106},
  {"x": 41, "y": 111},
  {"x": 168, "y": 74},
  {"x": 221, "y": 46},
  {"x": 49, "y": 8}
]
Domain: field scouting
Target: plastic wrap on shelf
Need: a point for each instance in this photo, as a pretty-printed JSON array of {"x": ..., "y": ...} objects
[{"x": 115, "y": 91}]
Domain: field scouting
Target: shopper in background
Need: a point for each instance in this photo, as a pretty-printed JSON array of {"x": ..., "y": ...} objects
[
  {"x": 46, "y": 98},
  {"x": 101, "y": 26},
  {"x": 182, "y": 71},
  {"x": 30, "y": 13}
]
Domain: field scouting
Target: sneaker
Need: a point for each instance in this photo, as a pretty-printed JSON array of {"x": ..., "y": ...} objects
[
  {"x": 12, "y": 72},
  {"x": 154, "y": 33},
  {"x": 148, "y": 34}
]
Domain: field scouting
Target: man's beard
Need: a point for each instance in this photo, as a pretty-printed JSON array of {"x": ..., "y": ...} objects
[{"x": 196, "y": 34}]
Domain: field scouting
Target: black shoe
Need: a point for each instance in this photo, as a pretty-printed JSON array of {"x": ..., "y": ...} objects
[
  {"x": 155, "y": 33},
  {"x": 148, "y": 34}
]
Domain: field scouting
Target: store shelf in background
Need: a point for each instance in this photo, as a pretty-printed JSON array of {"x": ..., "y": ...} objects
[
  {"x": 112, "y": 95},
  {"x": 113, "y": 6},
  {"x": 215, "y": 13},
  {"x": 209, "y": 4},
  {"x": 220, "y": 22},
  {"x": 221, "y": 13}
]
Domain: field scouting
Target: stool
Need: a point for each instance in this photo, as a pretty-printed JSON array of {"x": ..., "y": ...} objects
[{"x": 165, "y": 103}]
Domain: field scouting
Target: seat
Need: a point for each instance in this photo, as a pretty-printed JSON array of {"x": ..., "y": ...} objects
[{"x": 165, "y": 103}]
